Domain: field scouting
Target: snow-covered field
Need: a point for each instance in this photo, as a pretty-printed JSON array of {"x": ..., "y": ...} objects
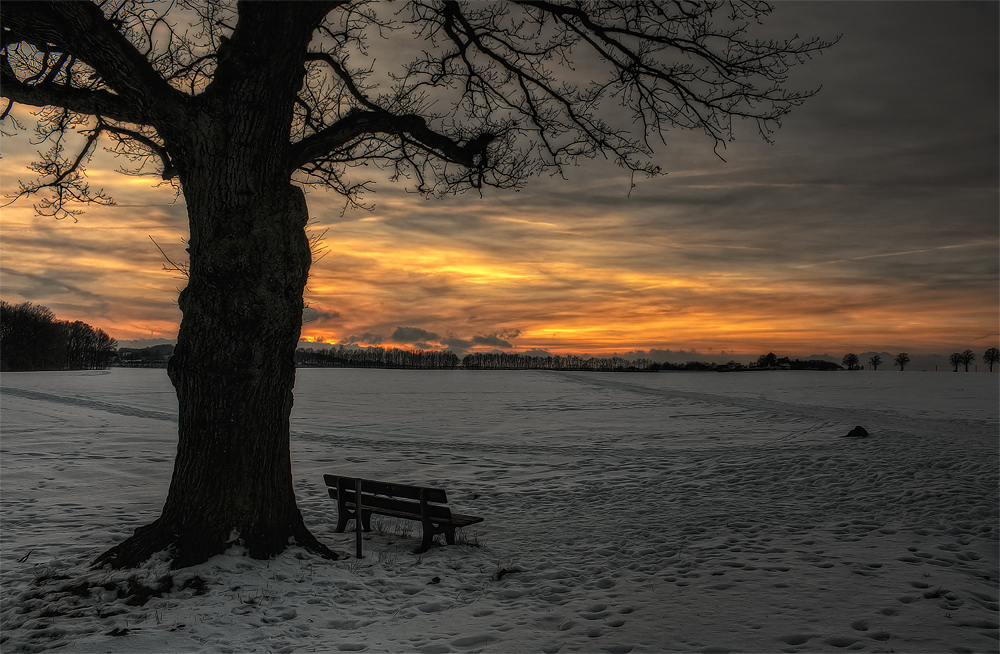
[{"x": 696, "y": 512}]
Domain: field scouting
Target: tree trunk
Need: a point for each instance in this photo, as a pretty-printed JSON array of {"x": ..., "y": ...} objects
[
  {"x": 233, "y": 369},
  {"x": 233, "y": 366}
]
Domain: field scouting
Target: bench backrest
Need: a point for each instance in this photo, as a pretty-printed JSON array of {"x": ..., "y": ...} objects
[
  {"x": 391, "y": 496},
  {"x": 391, "y": 489}
]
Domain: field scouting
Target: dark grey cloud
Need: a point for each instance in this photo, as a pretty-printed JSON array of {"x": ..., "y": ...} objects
[
  {"x": 457, "y": 345},
  {"x": 426, "y": 340},
  {"x": 414, "y": 335},
  {"x": 311, "y": 314},
  {"x": 367, "y": 338},
  {"x": 910, "y": 94},
  {"x": 491, "y": 340}
]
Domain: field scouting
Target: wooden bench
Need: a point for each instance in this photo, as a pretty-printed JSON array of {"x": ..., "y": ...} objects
[{"x": 424, "y": 505}]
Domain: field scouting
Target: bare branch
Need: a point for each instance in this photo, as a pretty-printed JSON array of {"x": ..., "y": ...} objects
[
  {"x": 358, "y": 124},
  {"x": 124, "y": 136},
  {"x": 181, "y": 268},
  {"x": 82, "y": 30},
  {"x": 48, "y": 94},
  {"x": 65, "y": 179}
]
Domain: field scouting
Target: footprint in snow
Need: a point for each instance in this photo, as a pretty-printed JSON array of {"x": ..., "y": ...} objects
[
  {"x": 471, "y": 641},
  {"x": 595, "y": 612},
  {"x": 278, "y": 614}
]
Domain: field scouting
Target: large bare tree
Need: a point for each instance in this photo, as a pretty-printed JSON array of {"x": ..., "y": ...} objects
[{"x": 244, "y": 104}]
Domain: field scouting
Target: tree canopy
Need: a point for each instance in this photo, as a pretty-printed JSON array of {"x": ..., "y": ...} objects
[{"x": 487, "y": 95}]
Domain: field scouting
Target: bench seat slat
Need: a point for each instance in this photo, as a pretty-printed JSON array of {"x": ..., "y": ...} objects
[
  {"x": 408, "y": 509},
  {"x": 391, "y": 513},
  {"x": 379, "y": 503},
  {"x": 460, "y": 520},
  {"x": 454, "y": 519}
]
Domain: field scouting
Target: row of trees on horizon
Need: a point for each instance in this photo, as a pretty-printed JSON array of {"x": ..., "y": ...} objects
[
  {"x": 376, "y": 357},
  {"x": 514, "y": 361},
  {"x": 32, "y": 338},
  {"x": 344, "y": 356},
  {"x": 966, "y": 358},
  {"x": 990, "y": 357}
]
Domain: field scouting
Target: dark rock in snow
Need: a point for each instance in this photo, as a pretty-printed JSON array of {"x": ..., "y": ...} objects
[{"x": 858, "y": 432}]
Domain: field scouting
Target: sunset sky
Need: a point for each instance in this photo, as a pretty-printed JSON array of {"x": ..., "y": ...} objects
[{"x": 871, "y": 224}]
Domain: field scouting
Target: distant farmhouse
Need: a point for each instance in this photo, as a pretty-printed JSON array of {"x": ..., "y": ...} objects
[{"x": 155, "y": 356}]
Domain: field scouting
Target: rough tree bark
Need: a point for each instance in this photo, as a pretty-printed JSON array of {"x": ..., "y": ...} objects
[{"x": 233, "y": 372}]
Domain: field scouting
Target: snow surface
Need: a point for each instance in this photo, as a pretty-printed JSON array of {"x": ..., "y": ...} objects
[{"x": 696, "y": 512}]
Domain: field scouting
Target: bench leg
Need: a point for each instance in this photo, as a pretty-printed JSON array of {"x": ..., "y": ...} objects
[
  {"x": 449, "y": 534},
  {"x": 346, "y": 515},
  {"x": 426, "y": 542}
]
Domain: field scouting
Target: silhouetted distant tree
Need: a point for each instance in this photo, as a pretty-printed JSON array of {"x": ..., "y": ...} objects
[
  {"x": 902, "y": 360},
  {"x": 103, "y": 352},
  {"x": 87, "y": 348},
  {"x": 956, "y": 360},
  {"x": 991, "y": 356},
  {"x": 236, "y": 101},
  {"x": 769, "y": 360},
  {"x": 31, "y": 338},
  {"x": 813, "y": 364},
  {"x": 875, "y": 361},
  {"x": 968, "y": 357},
  {"x": 851, "y": 361}
]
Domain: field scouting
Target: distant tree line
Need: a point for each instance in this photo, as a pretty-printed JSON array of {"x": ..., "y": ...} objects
[
  {"x": 771, "y": 361},
  {"x": 991, "y": 356},
  {"x": 32, "y": 338},
  {"x": 376, "y": 357},
  {"x": 154, "y": 356},
  {"x": 515, "y": 361},
  {"x": 957, "y": 359}
]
